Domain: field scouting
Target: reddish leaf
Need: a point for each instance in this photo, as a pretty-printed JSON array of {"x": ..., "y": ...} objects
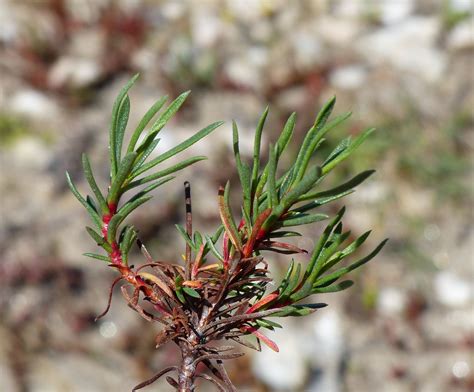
[{"x": 269, "y": 298}]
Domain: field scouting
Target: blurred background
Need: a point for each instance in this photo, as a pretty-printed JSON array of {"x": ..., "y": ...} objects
[{"x": 403, "y": 66}]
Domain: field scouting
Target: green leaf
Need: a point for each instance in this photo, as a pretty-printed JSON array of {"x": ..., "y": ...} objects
[
  {"x": 130, "y": 206},
  {"x": 293, "y": 281},
  {"x": 97, "y": 257},
  {"x": 179, "y": 166},
  {"x": 114, "y": 125},
  {"x": 321, "y": 119},
  {"x": 191, "y": 292},
  {"x": 271, "y": 325},
  {"x": 292, "y": 196},
  {"x": 98, "y": 239},
  {"x": 145, "y": 121},
  {"x": 243, "y": 171},
  {"x": 213, "y": 248},
  {"x": 227, "y": 217},
  {"x": 339, "y": 148},
  {"x": 180, "y": 147},
  {"x": 286, "y": 135},
  {"x": 334, "y": 287},
  {"x": 186, "y": 237},
  {"x": 93, "y": 214},
  {"x": 337, "y": 257},
  {"x": 272, "y": 191},
  {"x": 122, "y": 174},
  {"x": 298, "y": 310},
  {"x": 180, "y": 295},
  {"x": 321, "y": 201},
  {"x": 113, "y": 226},
  {"x": 283, "y": 233},
  {"x": 340, "y": 189},
  {"x": 303, "y": 219},
  {"x": 93, "y": 184},
  {"x": 129, "y": 237},
  {"x": 145, "y": 149},
  {"x": 150, "y": 187},
  {"x": 122, "y": 121},
  {"x": 256, "y": 149},
  {"x": 348, "y": 151},
  {"x": 169, "y": 112},
  {"x": 328, "y": 279},
  {"x": 315, "y": 142}
]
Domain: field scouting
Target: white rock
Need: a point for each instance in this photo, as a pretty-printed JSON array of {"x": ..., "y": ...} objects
[
  {"x": 461, "y": 5},
  {"x": 283, "y": 371},
  {"x": 453, "y": 291},
  {"x": 407, "y": 46},
  {"x": 462, "y": 36},
  {"x": 32, "y": 103},
  {"x": 391, "y": 301},
  {"x": 395, "y": 11},
  {"x": 337, "y": 31},
  {"x": 205, "y": 27},
  {"x": 350, "y": 77},
  {"x": 75, "y": 72},
  {"x": 307, "y": 48},
  {"x": 325, "y": 351}
]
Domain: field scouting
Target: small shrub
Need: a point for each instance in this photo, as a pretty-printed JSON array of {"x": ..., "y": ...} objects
[{"x": 222, "y": 290}]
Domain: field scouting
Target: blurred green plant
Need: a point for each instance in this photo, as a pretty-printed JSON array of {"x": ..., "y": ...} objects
[
  {"x": 221, "y": 290},
  {"x": 14, "y": 128}
]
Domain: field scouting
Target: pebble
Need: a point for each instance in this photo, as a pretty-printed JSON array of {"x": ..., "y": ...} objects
[
  {"x": 350, "y": 77},
  {"x": 462, "y": 36},
  {"x": 74, "y": 72},
  {"x": 33, "y": 104},
  {"x": 391, "y": 301},
  {"x": 452, "y": 290},
  {"x": 286, "y": 370}
]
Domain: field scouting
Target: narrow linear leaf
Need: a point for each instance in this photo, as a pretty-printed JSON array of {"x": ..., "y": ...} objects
[
  {"x": 322, "y": 201},
  {"x": 328, "y": 279},
  {"x": 272, "y": 191},
  {"x": 114, "y": 125},
  {"x": 169, "y": 112},
  {"x": 123, "y": 172},
  {"x": 113, "y": 227},
  {"x": 213, "y": 249},
  {"x": 130, "y": 206},
  {"x": 173, "y": 169},
  {"x": 340, "y": 189},
  {"x": 94, "y": 216},
  {"x": 145, "y": 121},
  {"x": 304, "y": 219},
  {"x": 227, "y": 217},
  {"x": 348, "y": 151},
  {"x": 334, "y": 287},
  {"x": 191, "y": 292},
  {"x": 93, "y": 184},
  {"x": 122, "y": 121},
  {"x": 180, "y": 147},
  {"x": 256, "y": 149},
  {"x": 97, "y": 257},
  {"x": 315, "y": 142},
  {"x": 244, "y": 173}
]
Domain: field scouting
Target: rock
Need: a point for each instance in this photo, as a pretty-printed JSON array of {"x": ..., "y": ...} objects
[
  {"x": 395, "y": 11},
  {"x": 307, "y": 48},
  {"x": 453, "y": 291},
  {"x": 74, "y": 72},
  {"x": 338, "y": 31},
  {"x": 350, "y": 77},
  {"x": 391, "y": 301},
  {"x": 33, "y": 104},
  {"x": 286, "y": 370},
  {"x": 246, "y": 70},
  {"x": 407, "y": 46},
  {"x": 462, "y": 36},
  {"x": 326, "y": 348}
]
